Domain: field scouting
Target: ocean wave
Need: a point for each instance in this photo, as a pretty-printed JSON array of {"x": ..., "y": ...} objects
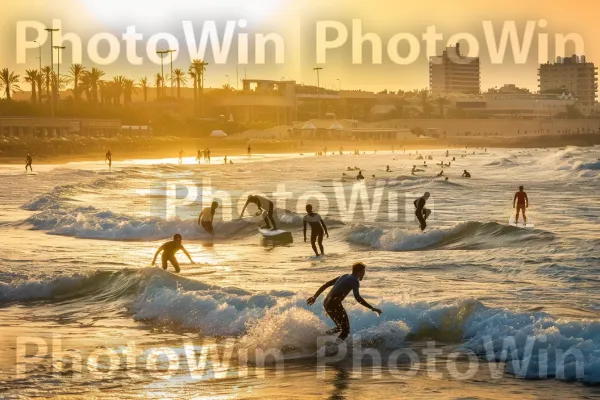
[
  {"x": 284, "y": 321},
  {"x": 505, "y": 162},
  {"x": 464, "y": 235}
]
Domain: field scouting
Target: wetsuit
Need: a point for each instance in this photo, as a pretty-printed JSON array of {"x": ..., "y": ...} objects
[
  {"x": 466, "y": 175},
  {"x": 421, "y": 212},
  {"x": 168, "y": 254},
  {"x": 342, "y": 285},
  {"x": 317, "y": 229},
  {"x": 28, "y": 162},
  {"x": 521, "y": 200},
  {"x": 206, "y": 218},
  {"x": 267, "y": 208}
]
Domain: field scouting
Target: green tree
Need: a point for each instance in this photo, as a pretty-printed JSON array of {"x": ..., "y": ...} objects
[{"x": 144, "y": 85}]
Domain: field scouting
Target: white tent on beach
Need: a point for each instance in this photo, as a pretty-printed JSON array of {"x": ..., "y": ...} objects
[{"x": 218, "y": 134}]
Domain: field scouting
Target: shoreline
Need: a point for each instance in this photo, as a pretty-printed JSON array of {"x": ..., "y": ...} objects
[{"x": 125, "y": 148}]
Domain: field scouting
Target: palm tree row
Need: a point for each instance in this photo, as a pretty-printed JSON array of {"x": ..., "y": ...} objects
[{"x": 89, "y": 84}]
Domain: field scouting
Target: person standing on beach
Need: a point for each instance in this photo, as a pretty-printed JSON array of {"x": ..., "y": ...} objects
[
  {"x": 249, "y": 151},
  {"x": 181, "y": 156},
  {"x": 317, "y": 229},
  {"x": 168, "y": 251},
  {"x": 521, "y": 202},
  {"x": 28, "y": 162},
  {"x": 342, "y": 285}
]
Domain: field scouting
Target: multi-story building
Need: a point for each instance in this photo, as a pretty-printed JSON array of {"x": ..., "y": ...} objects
[
  {"x": 571, "y": 75},
  {"x": 453, "y": 72}
]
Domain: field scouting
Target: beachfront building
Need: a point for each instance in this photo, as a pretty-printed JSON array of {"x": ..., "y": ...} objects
[
  {"x": 573, "y": 75},
  {"x": 346, "y": 130},
  {"x": 24, "y": 127},
  {"x": 453, "y": 72}
]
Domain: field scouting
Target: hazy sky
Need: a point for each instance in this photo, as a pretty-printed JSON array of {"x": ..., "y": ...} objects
[{"x": 296, "y": 22}]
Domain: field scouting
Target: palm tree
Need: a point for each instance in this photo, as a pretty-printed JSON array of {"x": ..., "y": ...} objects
[
  {"x": 199, "y": 67},
  {"x": 76, "y": 72},
  {"x": 442, "y": 101},
  {"x": 95, "y": 76},
  {"x": 144, "y": 85},
  {"x": 180, "y": 79},
  {"x": 47, "y": 71},
  {"x": 193, "y": 75},
  {"x": 10, "y": 82},
  {"x": 227, "y": 87},
  {"x": 117, "y": 86},
  {"x": 158, "y": 81},
  {"x": 129, "y": 88},
  {"x": 32, "y": 77},
  {"x": 40, "y": 83}
]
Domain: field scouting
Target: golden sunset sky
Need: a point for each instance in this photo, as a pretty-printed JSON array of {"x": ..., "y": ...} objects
[{"x": 296, "y": 22}]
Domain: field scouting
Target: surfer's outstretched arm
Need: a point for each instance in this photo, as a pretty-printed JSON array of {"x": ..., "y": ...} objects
[
  {"x": 244, "y": 209},
  {"x": 187, "y": 254},
  {"x": 311, "y": 300},
  {"x": 160, "y": 249},
  {"x": 363, "y": 302}
]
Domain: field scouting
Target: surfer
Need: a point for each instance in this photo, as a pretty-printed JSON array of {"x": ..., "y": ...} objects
[
  {"x": 387, "y": 169},
  {"x": 522, "y": 202},
  {"x": 360, "y": 176},
  {"x": 440, "y": 174},
  {"x": 28, "y": 162},
  {"x": 168, "y": 253},
  {"x": 181, "y": 156},
  {"x": 317, "y": 229},
  {"x": 249, "y": 151},
  {"x": 421, "y": 212},
  {"x": 206, "y": 217},
  {"x": 108, "y": 158},
  {"x": 466, "y": 174},
  {"x": 225, "y": 159},
  {"x": 265, "y": 206},
  {"x": 342, "y": 285}
]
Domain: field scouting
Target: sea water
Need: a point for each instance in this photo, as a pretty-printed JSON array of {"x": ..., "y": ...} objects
[{"x": 493, "y": 302}]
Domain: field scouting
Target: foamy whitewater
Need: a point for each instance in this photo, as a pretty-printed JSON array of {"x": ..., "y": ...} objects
[{"x": 78, "y": 241}]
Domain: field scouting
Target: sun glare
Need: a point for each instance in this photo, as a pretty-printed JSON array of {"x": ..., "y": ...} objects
[{"x": 154, "y": 10}]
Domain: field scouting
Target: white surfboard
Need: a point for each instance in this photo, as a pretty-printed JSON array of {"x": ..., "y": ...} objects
[{"x": 278, "y": 234}]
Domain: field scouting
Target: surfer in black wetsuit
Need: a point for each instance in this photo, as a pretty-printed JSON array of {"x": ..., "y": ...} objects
[
  {"x": 108, "y": 158},
  {"x": 28, "y": 162},
  {"x": 266, "y": 207},
  {"x": 342, "y": 285},
  {"x": 168, "y": 252},
  {"x": 466, "y": 174},
  {"x": 360, "y": 176},
  {"x": 317, "y": 229},
  {"x": 421, "y": 212}
]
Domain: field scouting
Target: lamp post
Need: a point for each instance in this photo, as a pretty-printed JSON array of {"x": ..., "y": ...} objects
[
  {"x": 163, "y": 53},
  {"x": 318, "y": 89},
  {"x": 51, "y": 30},
  {"x": 58, "y": 50},
  {"x": 40, "y": 55}
]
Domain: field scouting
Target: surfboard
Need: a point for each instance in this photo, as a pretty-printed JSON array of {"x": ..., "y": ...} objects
[{"x": 278, "y": 234}]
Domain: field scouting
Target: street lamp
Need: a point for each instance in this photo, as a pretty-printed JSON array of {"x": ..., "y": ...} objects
[
  {"x": 58, "y": 49},
  {"x": 52, "y": 64},
  {"x": 318, "y": 89},
  {"x": 163, "y": 53},
  {"x": 40, "y": 56}
]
